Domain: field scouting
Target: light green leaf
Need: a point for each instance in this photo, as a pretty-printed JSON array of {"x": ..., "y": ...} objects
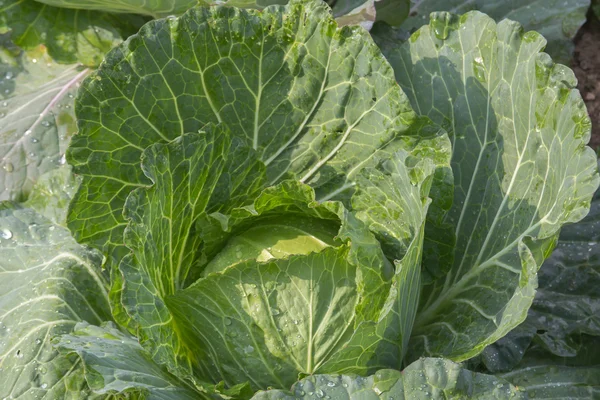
[
  {"x": 557, "y": 20},
  {"x": 52, "y": 194},
  {"x": 268, "y": 322},
  {"x": 315, "y": 102},
  {"x": 521, "y": 171},
  {"x": 115, "y": 363},
  {"x": 196, "y": 174},
  {"x": 36, "y": 117},
  {"x": 70, "y": 35},
  {"x": 427, "y": 378},
  {"x": 48, "y": 283}
]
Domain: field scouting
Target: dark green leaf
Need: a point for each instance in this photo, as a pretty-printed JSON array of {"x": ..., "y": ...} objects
[{"x": 427, "y": 378}]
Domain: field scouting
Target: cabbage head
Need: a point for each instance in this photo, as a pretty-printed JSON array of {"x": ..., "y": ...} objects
[{"x": 275, "y": 204}]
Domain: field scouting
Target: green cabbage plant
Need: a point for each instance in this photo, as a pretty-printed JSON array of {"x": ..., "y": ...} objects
[{"x": 265, "y": 200}]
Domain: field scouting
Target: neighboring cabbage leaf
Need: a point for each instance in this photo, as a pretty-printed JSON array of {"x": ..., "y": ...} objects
[
  {"x": 557, "y": 20},
  {"x": 567, "y": 303},
  {"x": 546, "y": 376},
  {"x": 316, "y": 103},
  {"x": 347, "y": 12},
  {"x": 48, "y": 283},
  {"x": 36, "y": 117},
  {"x": 521, "y": 170},
  {"x": 153, "y": 8},
  {"x": 70, "y": 36},
  {"x": 427, "y": 378},
  {"x": 115, "y": 363}
]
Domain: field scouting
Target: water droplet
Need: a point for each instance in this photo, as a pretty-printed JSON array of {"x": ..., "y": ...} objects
[
  {"x": 275, "y": 311},
  {"x": 331, "y": 384},
  {"x": 34, "y": 60},
  {"x": 319, "y": 393},
  {"x": 479, "y": 69},
  {"x": 46, "y": 123},
  {"x": 62, "y": 160},
  {"x": 248, "y": 349},
  {"x": 8, "y": 75},
  {"x": 44, "y": 385},
  {"x": 8, "y": 167},
  {"x": 38, "y": 341},
  {"x": 227, "y": 321},
  {"x": 34, "y": 140},
  {"x": 5, "y": 234},
  {"x": 27, "y": 132}
]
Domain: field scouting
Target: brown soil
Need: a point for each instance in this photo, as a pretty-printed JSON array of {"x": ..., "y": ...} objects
[{"x": 586, "y": 64}]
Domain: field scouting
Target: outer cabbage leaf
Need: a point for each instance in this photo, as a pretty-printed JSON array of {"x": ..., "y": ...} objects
[
  {"x": 427, "y": 378},
  {"x": 36, "y": 117},
  {"x": 564, "y": 313},
  {"x": 115, "y": 363},
  {"x": 48, "y": 283},
  {"x": 70, "y": 35},
  {"x": 521, "y": 170},
  {"x": 557, "y": 20},
  {"x": 315, "y": 102}
]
